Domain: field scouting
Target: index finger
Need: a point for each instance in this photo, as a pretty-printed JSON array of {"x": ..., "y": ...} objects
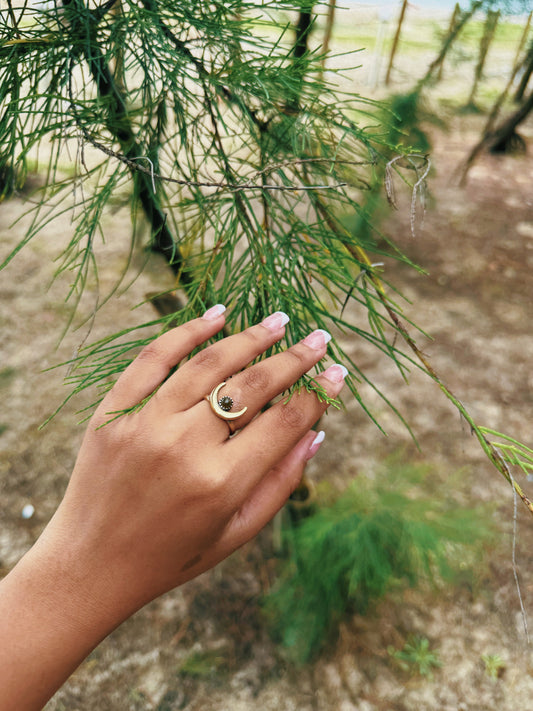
[{"x": 156, "y": 360}]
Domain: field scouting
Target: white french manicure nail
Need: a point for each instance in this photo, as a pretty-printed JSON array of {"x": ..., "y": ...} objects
[
  {"x": 315, "y": 445},
  {"x": 275, "y": 321},
  {"x": 335, "y": 373},
  {"x": 214, "y": 312},
  {"x": 317, "y": 339}
]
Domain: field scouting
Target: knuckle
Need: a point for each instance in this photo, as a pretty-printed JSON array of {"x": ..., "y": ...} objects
[
  {"x": 255, "y": 379},
  {"x": 293, "y": 415},
  {"x": 191, "y": 334},
  {"x": 189, "y": 328},
  {"x": 151, "y": 353},
  {"x": 214, "y": 484},
  {"x": 162, "y": 444},
  {"x": 207, "y": 358},
  {"x": 299, "y": 356},
  {"x": 288, "y": 482},
  {"x": 255, "y": 338}
]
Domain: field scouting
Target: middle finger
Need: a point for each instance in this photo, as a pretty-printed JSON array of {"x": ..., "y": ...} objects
[{"x": 259, "y": 384}]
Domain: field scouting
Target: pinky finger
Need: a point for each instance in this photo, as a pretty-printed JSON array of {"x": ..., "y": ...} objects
[{"x": 272, "y": 491}]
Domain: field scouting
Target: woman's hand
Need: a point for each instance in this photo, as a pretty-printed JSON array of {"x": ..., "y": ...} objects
[
  {"x": 164, "y": 494},
  {"x": 158, "y": 496}
]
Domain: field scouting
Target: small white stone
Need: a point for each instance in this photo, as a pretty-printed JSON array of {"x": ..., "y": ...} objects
[
  {"x": 28, "y": 511},
  {"x": 525, "y": 229}
]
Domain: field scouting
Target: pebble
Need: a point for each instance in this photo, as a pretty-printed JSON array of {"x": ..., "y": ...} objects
[
  {"x": 525, "y": 229},
  {"x": 27, "y": 511}
]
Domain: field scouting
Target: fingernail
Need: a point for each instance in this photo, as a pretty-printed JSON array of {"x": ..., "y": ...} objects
[
  {"x": 275, "y": 321},
  {"x": 315, "y": 445},
  {"x": 214, "y": 312},
  {"x": 335, "y": 373},
  {"x": 317, "y": 339}
]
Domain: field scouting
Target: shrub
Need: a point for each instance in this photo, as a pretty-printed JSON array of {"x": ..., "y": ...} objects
[{"x": 375, "y": 536}]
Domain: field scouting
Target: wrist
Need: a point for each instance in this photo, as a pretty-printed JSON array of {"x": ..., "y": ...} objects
[
  {"x": 55, "y": 608},
  {"x": 79, "y": 571}
]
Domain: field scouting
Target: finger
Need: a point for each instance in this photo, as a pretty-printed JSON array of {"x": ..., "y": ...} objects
[
  {"x": 155, "y": 361},
  {"x": 272, "y": 491},
  {"x": 263, "y": 503},
  {"x": 257, "y": 385},
  {"x": 198, "y": 376},
  {"x": 275, "y": 432}
]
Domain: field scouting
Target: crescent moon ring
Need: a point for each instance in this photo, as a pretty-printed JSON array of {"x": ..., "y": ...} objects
[{"x": 212, "y": 399}]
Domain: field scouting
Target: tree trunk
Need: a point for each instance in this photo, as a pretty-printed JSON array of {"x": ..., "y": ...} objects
[
  {"x": 328, "y": 31},
  {"x": 528, "y": 70},
  {"x": 303, "y": 28},
  {"x": 299, "y": 50},
  {"x": 453, "y": 22},
  {"x": 488, "y": 33},
  {"x": 396, "y": 41},
  {"x": 450, "y": 39},
  {"x": 119, "y": 125},
  {"x": 505, "y": 139},
  {"x": 465, "y": 167},
  {"x": 518, "y": 62}
]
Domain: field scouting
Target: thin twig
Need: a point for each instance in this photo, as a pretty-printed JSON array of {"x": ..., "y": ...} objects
[
  {"x": 235, "y": 187},
  {"x": 389, "y": 185},
  {"x": 513, "y": 558}
]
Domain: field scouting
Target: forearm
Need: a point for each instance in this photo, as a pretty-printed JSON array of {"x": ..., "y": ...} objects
[{"x": 53, "y": 611}]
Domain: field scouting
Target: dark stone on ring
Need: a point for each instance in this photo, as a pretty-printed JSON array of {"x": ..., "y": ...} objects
[
  {"x": 226, "y": 403},
  {"x": 222, "y": 406}
]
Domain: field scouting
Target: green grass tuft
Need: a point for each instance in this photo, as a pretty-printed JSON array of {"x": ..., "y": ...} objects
[
  {"x": 204, "y": 664},
  {"x": 376, "y": 536},
  {"x": 416, "y": 657}
]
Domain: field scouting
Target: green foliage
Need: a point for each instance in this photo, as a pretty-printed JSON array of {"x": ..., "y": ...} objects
[
  {"x": 403, "y": 120},
  {"x": 509, "y": 7},
  {"x": 239, "y": 155},
  {"x": 416, "y": 657},
  {"x": 379, "y": 534},
  {"x": 494, "y": 665},
  {"x": 213, "y": 121},
  {"x": 512, "y": 452},
  {"x": 202, "y": 665},
  {"x": 410, "y": 115}
]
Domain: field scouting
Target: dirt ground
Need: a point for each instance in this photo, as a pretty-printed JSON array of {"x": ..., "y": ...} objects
[{"x": 477, "y": 248}]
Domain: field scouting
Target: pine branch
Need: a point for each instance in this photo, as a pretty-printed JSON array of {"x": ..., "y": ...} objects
[
  {"x": 491, "y": 450},
  {"x": 119, "y": 125},
  {"x": 246, "y": 195},
  {"x": 136, "y": 167}
]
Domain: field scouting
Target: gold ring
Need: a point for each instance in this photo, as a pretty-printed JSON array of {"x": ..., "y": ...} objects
[{"x": 222, "y": 407}]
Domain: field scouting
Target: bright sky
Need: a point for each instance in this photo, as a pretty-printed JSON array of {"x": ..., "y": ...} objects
[{"x": 392, "y": 6}]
